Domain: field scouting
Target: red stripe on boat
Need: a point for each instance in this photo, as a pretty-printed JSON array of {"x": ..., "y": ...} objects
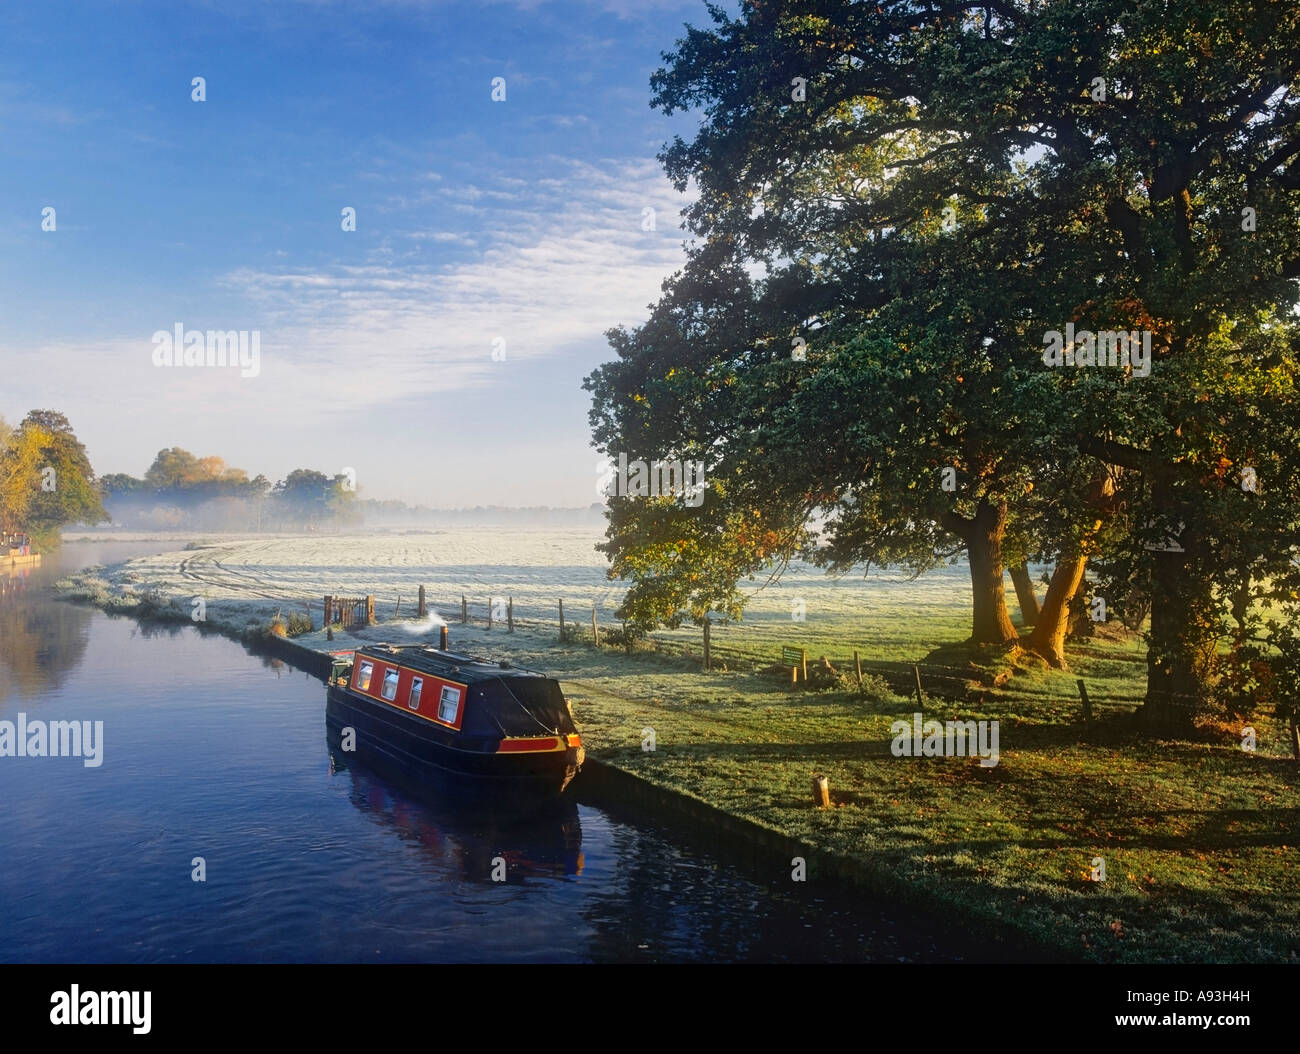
[{"x": 514, "y": 746}]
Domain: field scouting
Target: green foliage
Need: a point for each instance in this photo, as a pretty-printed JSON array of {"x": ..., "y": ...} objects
[
  {"x": 951, "y": 189},
  {"x": 46, "y": 480}
]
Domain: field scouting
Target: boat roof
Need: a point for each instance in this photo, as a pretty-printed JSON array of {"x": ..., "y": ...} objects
[{"x": 455, "y": 666}]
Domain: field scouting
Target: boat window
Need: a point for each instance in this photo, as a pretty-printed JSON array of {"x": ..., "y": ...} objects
[
  {"x": 413, "y": 700},
  {"x": 448, "y": 704},
  {"x": 389, "y": 690},
  {"x": 363, "y": 678}
]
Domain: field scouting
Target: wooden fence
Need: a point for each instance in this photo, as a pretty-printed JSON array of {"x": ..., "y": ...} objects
[{"x": 350, "y": 611}]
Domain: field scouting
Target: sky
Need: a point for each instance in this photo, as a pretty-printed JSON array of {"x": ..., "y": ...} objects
[{"x": 484, "y": 228}]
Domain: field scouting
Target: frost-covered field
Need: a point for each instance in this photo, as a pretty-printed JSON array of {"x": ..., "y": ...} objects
[{"x": 246, "y": 581}]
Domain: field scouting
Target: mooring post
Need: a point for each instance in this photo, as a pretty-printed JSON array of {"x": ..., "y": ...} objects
[
  {"x": 510, "y": 615},
  {"x": 370, "y": 609},
  {"x": 489, "y": 613},
  {"x": 561, "y": 621},
  {"x": 397, "y": 610},
  {"x": 442, "y": 638},
  {"x": 421, "y": 610},
  {"x": 329, "y": 610},
  {"x": 920, "y": 699},
  {"x": 464, "y": 609}
]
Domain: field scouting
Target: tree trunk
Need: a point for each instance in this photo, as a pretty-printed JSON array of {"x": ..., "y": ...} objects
[
  {"x": 1025, "y": 594},
  {"x": 990, "y": 623},
  {"x": 1048, "y": 638},
  {"x": 1181, "y": 653},
  {"x": 1081, "y": 624}
]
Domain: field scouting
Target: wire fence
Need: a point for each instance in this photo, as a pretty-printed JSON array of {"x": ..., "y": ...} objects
[{"x": 918, "y": 678}]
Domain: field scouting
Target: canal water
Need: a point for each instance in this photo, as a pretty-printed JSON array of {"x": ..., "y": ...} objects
[{"x": 210, "y": 752}]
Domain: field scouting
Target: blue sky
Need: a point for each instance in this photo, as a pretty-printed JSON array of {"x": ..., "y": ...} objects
[{"x": 476, "y": 220}]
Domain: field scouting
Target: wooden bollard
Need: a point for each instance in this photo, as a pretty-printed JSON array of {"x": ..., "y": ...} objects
[
  {"x": 561, "y": 621},
  {"x": 329, "y": 610},
  {"x": 421, "y": 609},
  {"x": 370, "y": 609},
  {"x": 821, "y": 792},
  {"x": 442, "y": 638}
]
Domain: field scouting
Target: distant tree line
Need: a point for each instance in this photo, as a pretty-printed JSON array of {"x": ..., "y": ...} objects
[{"x": 181, "y": 490}]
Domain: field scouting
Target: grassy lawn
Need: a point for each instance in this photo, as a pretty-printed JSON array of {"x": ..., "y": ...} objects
[{"x": 1198, "y": 837}]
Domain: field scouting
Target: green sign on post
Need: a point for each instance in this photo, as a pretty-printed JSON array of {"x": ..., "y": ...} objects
[{"x": 797, "y": 660}]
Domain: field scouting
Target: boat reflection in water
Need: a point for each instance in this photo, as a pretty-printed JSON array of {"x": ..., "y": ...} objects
[{"x": 461, "y": 835}]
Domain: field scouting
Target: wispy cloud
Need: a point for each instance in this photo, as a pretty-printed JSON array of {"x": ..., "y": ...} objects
[{"x": 562, "y": 261}]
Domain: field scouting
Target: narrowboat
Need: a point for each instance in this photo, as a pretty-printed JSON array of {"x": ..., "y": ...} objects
[{"x": 468, "y": 723}]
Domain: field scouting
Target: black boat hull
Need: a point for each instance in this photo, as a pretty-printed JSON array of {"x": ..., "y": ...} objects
[{"x": 409, "y": 746}]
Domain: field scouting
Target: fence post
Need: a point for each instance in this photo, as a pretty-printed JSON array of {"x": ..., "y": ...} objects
[
  {"x": 857, "y": 668},
  {"x": 920, "y": 699},
  {"x": 708, "y": 661},
  {"x": 1087, "y": 705},
  {"x": 421, "y": 610},
  {"x": 510, "y": 615},
  {"x": 561, "y": 621}
]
